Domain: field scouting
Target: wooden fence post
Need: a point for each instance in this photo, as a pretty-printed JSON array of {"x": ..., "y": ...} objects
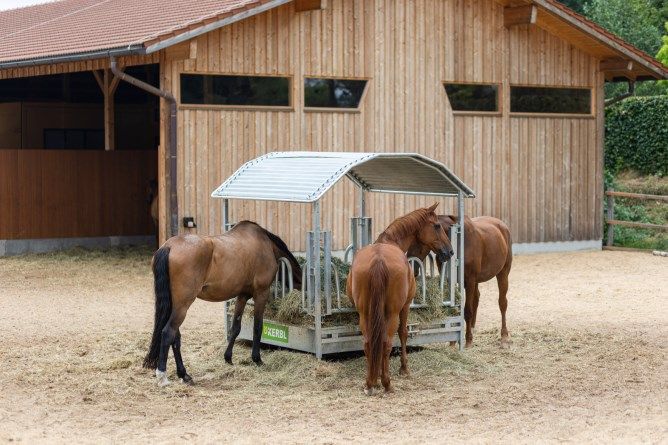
[{"x": 611, "y": 216}]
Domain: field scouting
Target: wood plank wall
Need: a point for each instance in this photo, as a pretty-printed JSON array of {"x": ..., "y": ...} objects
[
  {"x": 541, "y": 175},
  {"x": 69, "y": 193}
]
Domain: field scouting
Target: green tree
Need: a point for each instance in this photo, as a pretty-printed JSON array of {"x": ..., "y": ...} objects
[
  {"x": 662, "y": 55},
  {"x": 635, "y": 21},
  {"x": 577, "y": 5}
]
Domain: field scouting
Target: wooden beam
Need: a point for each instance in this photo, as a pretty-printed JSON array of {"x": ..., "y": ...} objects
[
  {"x": 616, "y": 65},
  {"x": 109, "y": 124},
  {"x": 520, "y": 15},
  {"x": 99, "y": 80},
  {"x": 309, "y": 5}
]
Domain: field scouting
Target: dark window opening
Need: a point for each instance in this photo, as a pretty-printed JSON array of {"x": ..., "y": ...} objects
[
  {"x": 73, "y": 139},
  {"x": 66, "y": 111},
  {"x": 473, "y": 97},
  {"x": 197, "y": 89},
  {"x": 550, "y": 100},
  {"x": 333, "y": 93}
]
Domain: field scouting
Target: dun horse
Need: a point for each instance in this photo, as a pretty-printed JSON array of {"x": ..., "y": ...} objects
[
  {"x": 381, "y": 285},
  {"x": 487, "y": 254},
  {"x": 241, "y": 263}
]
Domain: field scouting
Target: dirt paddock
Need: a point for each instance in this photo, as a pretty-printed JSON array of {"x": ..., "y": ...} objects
[{"x": 587, "y": 363}]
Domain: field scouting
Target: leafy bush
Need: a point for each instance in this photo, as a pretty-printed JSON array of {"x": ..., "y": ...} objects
[{"x": 636, "y": 135}]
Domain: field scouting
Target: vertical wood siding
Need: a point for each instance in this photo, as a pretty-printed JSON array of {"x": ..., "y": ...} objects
[{"x": 542, "y": 175}]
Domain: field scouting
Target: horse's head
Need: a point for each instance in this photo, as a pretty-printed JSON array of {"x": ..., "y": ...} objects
[
  {"x": 151, "y": 190},
  {"x": 432, "y": 236}
]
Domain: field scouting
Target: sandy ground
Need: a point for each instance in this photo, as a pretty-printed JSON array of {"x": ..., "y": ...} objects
[{"x": 588, "y": 363}]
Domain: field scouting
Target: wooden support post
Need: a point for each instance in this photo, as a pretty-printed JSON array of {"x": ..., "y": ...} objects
[
  {"x": 611, "y": 217},
  {"x": 520, "y": 15},
  {"x": 109, "y": 127},
  {"x": 108, "y": 84}
]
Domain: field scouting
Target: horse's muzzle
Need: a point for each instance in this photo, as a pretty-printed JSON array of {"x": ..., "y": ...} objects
[{"x": 444, "y": 255}]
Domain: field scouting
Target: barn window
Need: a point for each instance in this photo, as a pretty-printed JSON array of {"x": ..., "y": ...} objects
[
  {"x": 550, "y": 100},
  {"x": 473, "y": 97},
  {"x": 263, "y": 91},
  {"x": 333, "y": 93}
]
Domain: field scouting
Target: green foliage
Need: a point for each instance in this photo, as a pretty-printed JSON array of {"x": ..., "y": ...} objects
[
  {"x": 641, "y": 211},
  {"x": 662, "y": 55},
  {"x": 636, "y": 135},
  {"x": 576, "y": 5},
  {"x": 636, "y": 21}
]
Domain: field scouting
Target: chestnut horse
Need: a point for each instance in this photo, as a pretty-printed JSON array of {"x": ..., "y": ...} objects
[
  {"x": 488, "y": 253},
  {"x": 241, "y": 263},
  {"x": 381, "y": 285}
]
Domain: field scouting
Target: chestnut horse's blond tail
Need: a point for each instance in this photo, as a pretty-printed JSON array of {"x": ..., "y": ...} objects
[{"x": 375, "y": 316}]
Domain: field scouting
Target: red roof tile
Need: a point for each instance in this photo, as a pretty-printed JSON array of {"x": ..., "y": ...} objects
[{"x": 82, "y": 26}]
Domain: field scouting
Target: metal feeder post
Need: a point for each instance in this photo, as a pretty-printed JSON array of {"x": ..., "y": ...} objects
[
  {"x": 226, "y": 304},
  {"x": 315, "y": 265},
  {"x": 460, "y": 278}
]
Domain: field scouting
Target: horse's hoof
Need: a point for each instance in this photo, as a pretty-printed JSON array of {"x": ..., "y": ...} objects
[
  {"x": 228, "y": 360},
  {"x": 368, "y": 391},
  {"x": 186, "y": 379},
  {"x": 389, "y": 390},
  {"x": 404, "y": 372},
  {"x": 505, "y": 343},
  {"x": 162, "y": 378},
  {"x": 468, "y": 344},
  {"x": 258, "y": 362}
]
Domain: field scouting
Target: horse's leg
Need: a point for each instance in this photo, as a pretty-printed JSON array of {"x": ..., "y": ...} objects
[
  {"x": 468, "y": 311},
  {"x": 385, "y": 372},
  {"x": 502, "y": 280},
  {"x": 474, "y": 309},
  {"x": 403, "y": 338},
  {"x": 239, "y": 307},
  {"x": 180, "y": 368},
  {"x": 260, "y": 300},
  {"x": 169, "y": 333}
]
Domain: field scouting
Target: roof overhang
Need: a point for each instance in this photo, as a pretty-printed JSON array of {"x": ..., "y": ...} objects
[
  {"x": 619, "y": 59},
  {"x": 302, "y": 176}
]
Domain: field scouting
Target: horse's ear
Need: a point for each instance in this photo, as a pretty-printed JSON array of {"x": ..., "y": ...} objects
[{"x": 433, "y": 207}]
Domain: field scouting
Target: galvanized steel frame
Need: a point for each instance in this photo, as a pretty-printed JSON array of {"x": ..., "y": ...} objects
[{"x": 320, "y": 340}]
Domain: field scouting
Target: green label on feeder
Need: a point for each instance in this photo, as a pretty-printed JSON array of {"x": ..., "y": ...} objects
[{"x": 274, "y": 332}]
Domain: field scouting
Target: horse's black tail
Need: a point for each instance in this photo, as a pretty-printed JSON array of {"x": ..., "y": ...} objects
[
  {"x": 163, "y": 304},
  {"x": 285, "y": 252}
]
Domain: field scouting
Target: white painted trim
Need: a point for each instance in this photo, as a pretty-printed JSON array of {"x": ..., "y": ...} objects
[
  {"x": 21, "y": 246},
  {"x": 559, "y": 246}
]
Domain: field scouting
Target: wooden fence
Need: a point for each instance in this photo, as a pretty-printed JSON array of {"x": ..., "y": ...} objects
[{"x": 611, "y": 221}]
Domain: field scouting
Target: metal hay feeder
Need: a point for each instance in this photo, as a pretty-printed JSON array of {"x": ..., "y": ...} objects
[{"x": 305, "y": 177}]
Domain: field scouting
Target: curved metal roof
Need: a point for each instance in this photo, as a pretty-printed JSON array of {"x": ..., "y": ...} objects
[{"x": 305, "y": 176}]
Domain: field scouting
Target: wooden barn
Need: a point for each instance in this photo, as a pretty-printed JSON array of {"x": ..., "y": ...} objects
[{"x": 99, "y": 97}]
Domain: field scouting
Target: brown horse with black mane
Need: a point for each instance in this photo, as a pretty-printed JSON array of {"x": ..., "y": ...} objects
[
  {"x": 488, "y": 253},
  {"x": 381, "y": 285},
  {"x": 241, "y": 263}
]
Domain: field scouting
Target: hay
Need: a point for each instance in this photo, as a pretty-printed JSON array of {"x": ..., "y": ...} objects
[{"x": 289, "y": 310}]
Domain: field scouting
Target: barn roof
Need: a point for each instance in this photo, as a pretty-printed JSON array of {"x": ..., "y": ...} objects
[
  {"x": 305, "y": 176},
  {"x": 92, "y": 28},
  {"x": 67, "y": 30}
]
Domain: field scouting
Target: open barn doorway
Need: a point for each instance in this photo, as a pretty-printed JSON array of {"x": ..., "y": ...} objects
[{"x": 62, "y": 184}]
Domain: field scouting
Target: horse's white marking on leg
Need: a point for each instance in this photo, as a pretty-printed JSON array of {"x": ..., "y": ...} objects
[{"x": 162, "y": 378}]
